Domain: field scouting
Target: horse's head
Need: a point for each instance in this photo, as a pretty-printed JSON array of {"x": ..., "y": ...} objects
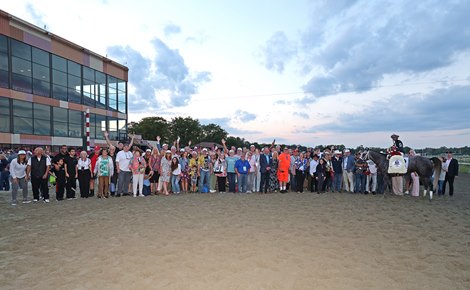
[{"x": 365, "y": 154}]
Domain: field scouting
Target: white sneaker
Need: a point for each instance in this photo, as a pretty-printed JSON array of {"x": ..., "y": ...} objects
[
  {"x": 46, "y": 200},
  {"x": 13, "y": 203},
  {"x": 249, "y": 191},
  {"x": 35, "y": 200},
  {"x": 141, "y": 195},
  {"x": 135, "y": 195},
  {"x": 212, "y": 191},
  {"x": 26, "y": 201}
]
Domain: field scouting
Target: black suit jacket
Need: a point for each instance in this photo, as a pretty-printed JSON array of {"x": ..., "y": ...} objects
[
  {"x": 453, "y": 169},
  {"x": 263, "y": 163}
]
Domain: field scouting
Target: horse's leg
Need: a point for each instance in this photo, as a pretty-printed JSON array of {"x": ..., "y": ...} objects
[{"x": 428, "y": 185}]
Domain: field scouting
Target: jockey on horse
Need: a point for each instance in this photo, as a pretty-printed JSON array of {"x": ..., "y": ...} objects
[{"x": 395, "y": 153}]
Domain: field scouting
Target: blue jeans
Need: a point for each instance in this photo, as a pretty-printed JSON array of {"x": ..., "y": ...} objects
[
  {"x": 440, "y": 186},
  {"x": 175, "y": 183},
  {"x": 360, "y": 185},
  {"x": 231, "y": 181},
  {"x": 242, "y": 183},
  {"x": 337, "y": 181},
  {"x": 204, "y": 180}
]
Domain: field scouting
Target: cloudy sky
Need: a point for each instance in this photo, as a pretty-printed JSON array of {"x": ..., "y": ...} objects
[{"x": 303, "y": 72}]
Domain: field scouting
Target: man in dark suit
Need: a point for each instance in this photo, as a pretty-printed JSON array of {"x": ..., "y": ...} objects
[
  {"x": 265, "y": 163},
  {"x": 452, "y": 171}
]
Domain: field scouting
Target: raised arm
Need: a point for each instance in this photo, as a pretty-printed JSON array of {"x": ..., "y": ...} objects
[
  {"x": 106, "y": 137},
  {"x": 225, "y": 146},
  {"x": 132, "y": 141},
  {"x": 159, "y": 147}
]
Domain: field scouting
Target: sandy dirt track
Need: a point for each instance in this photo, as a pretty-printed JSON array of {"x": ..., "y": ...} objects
[{"x": 227, "y": 241}]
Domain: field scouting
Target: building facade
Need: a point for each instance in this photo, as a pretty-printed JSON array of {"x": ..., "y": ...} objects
[{"x": 46, "y": 85}]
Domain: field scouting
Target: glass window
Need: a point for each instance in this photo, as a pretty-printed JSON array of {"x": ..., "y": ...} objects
[
  {"x": 5, "y": 115},
  {"x": 74, "y": 89},
  {"x": 60, "y": 114},
  {"x": 4, "y": 61},
  {"x": 74, "y": 96},
  {"x": 112, "y": 129},
  {"x": 21, "y": 83},
  {"x": 122, "y": 107},
  {"x": 4, "y": 123},
  {"x": 4, "y": 78},
  {"x": 75, "y": 130},
  {"x": 74, "y": 82},
  {"x": 41, "y": 72},
  {"x": 40, "y": 56},
  {"x": 22, "y": 125},
  {"x": 74, "y": 68},
  {"x": 20, "y": 49},
  {"x": 92, "y": 126},
  {"x": 89, "y": 92},
  {"x": 59, "y": 78},
  {"x": 112, "y": 104},
  {"x": 42, "y": 112},
  {"x": 41, "y": 88},
  {"x": 100, "y": 78},
  {"x": 42, "y": 127},
  {"x": 60, "y": 129},
  {"x": 88, "y": 73},
  {"x": 102, "y": 94},
  {"x": 122, "y": 129},
  {"x": 75, "y": 117},
  {"x": 59, "y": 92},
  {"x": 3, "y": 43},
  {"x": 100, "y": 125},
  {"x": 121, "y": 85},
  {"x": 21, "y": 66},
  {"x": 59, "y": 63},
  {"x": 22, "y": 109},
  {"x": 4, "y": 104}
]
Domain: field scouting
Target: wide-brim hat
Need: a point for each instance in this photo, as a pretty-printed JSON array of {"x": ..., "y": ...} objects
[
  {"x": 337, "y": 152},
  {"x": 394, "y": 136}
]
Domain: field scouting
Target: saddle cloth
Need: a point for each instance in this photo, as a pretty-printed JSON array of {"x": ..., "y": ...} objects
[{"x": 397, "y": 165}]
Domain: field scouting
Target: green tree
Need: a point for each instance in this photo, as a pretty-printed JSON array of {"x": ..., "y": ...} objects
[
  {"x": 236, "y": 141},
  {"x": 212, "y": 133},
  {"x": 188, "y": 129},
  {"x": 150, "y": 128}
]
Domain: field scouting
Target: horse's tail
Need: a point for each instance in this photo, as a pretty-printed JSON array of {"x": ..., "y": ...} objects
[{"x": 437, "y": 171}]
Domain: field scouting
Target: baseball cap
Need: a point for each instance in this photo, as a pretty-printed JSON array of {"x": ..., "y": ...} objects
[{"x": 22, "y": 152}]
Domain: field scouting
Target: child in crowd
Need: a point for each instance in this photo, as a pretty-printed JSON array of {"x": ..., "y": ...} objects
[
  {"x": 147, "y": 177},
  {"x": 60, "y": 179}
]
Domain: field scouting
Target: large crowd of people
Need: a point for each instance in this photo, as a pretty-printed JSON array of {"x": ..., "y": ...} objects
[{"x": 126, "y": 170}]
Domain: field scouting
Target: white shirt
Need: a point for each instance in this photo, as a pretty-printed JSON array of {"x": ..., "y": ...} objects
[
  {"x": 84, "y": 164},
  {"x": 177, "y": 171},
  {"x": 448, "y": 163},
  {"x": 48, "y": 160},
  {"x": 124, "y": 160},
  {"x": 17, "y": 170},
  {"x": 372, "y": 167},
  {"x": 313, "y": 166}
]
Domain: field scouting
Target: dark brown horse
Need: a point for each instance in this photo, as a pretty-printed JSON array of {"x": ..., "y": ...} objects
[{"x": 424, "y": 167}]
